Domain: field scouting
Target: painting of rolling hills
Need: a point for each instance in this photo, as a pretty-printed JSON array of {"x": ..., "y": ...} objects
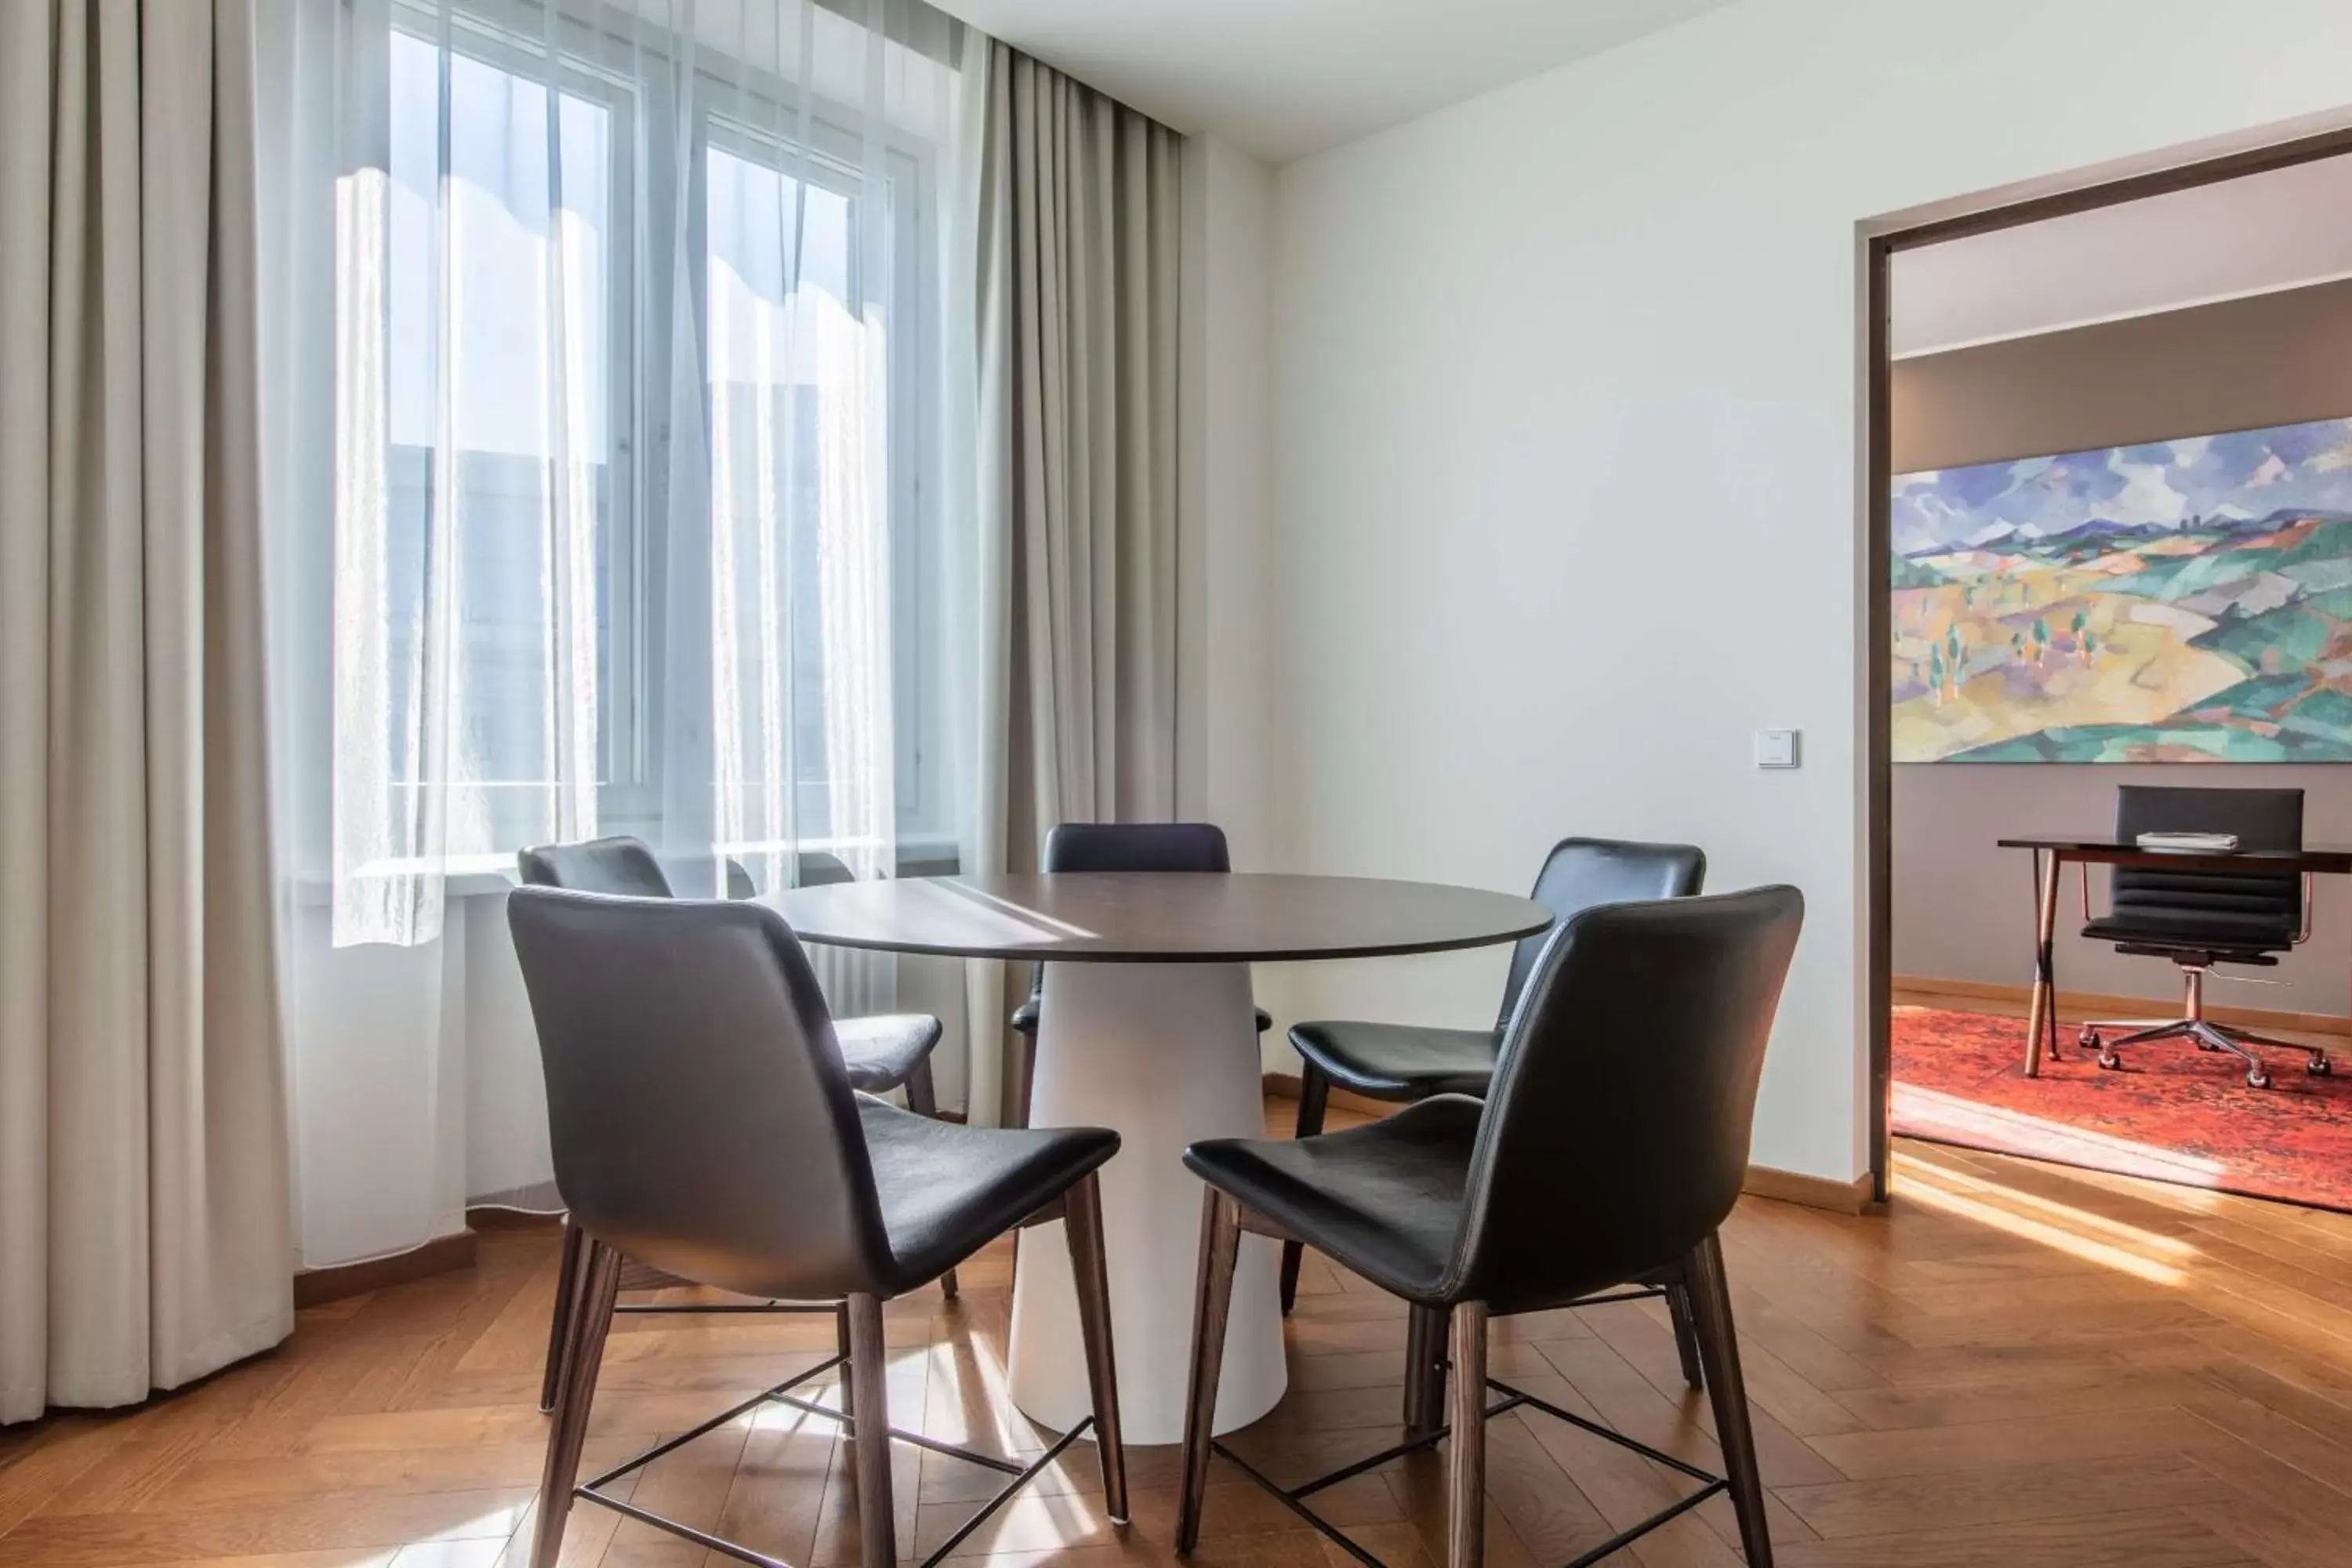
[{"x": 2181, "y": 601}]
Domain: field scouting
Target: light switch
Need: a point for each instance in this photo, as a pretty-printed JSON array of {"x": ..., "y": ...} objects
[{"x": 1776, "y": 748}]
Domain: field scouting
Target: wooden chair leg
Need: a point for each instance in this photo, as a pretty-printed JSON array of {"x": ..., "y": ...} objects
[
  {"x": 840, "y": 1348},
  {"x": 1424, "y": 1370},
  {"x": 1082, "y": 1224},
  {"x": 600, "y": 1282},
  {"x": 1221, "y": 1245},
  {"x": 1678, "y": 1306},
  {"x": 558, "y": 1325},
  {"x": 1710, "y": 1299},
  {"x": 924, "y": 1101},
  {"x": 1024, "y": 1075},
  {"x": 1466, "y": 1466},
  {"x": 1314, "y": 1097},
  {"x": 878, "y": 1540}
]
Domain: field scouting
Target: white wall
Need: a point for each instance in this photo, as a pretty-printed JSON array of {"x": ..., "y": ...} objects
[
  {"x": 1223, "y": 478},
  {"x": 1566, "y": 496}
]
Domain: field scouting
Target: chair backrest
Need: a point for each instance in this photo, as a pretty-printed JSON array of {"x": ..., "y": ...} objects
[
  {"x": 1582, "y": 872},
  {"x": 1136, "y": 847},
  {"x": 627, "y": 867},
  {"x": 700, "y": 1116},
  {"x": 619, "y": 865},
  {"x": 823, "y": 869},
  {"x": 1616, "y": 1131},
  {"x": 2254, "y": 907},
  {"x": 1131, "y": 847}
]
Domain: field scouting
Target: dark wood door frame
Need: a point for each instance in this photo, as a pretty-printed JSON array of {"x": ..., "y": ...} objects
[{"x": 1878, "y": 481}]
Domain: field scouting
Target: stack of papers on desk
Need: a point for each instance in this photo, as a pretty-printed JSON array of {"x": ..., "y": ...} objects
[{"x": 2191, "y": 843}]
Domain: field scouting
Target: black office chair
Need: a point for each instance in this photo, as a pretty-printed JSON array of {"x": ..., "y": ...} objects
[
  {"x": 1611, "y": 1145},
  {"x": 2201, "y": 919},
  {"x": 1409, "y": 1062},
  {"x": 882, "y": 1053},
  {"x": 704, "y": 1125},
  {"x": 1111, "y": 847}
]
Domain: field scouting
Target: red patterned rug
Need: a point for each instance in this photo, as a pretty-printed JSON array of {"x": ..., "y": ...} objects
[{"x": 2172, "y": 1112}]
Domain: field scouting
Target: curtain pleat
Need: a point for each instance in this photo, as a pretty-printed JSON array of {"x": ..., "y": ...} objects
[
  {"x": 1075, "y": 244},
  {"x": 145, "y": 1213}
]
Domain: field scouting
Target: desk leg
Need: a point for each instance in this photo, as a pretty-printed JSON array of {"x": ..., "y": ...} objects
[{"x": 2042, "y": 1020}]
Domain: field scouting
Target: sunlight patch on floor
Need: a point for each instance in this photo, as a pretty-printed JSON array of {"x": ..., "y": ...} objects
[
  {"x": 2078, "y": 1233},
  {"x": 1926, "y": 1112}
]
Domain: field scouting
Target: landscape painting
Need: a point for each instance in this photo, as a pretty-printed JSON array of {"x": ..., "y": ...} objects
[{"x": 2181, "y": 601}]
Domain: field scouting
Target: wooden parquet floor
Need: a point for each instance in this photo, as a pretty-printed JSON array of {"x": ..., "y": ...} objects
[{"x": 2019, "y": 1365}]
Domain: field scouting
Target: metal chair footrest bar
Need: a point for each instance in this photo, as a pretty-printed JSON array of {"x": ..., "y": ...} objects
[
  {"x": 1292, "y": 1498},
  {"x": 721, "y": 1309},
  {"x": 590, "y": 1491},
  {"x": 1638, "y": 1293}
]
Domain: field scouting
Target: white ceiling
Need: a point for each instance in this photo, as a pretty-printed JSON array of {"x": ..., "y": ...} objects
[
  {"x": 2248, "y": 236},
  {"x": 1286, "y": 78}
]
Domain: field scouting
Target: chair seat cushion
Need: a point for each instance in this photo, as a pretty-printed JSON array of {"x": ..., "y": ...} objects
[
  {"x": 881, "y": 1050},
  {"x": 2230, "y": 939},
  {"x": 1399, "y": 1061},
  {"x": 948, "y": 1190},
  {"x": 1024, "y": 1017},
  {"x": 1385, "y": 1199}
]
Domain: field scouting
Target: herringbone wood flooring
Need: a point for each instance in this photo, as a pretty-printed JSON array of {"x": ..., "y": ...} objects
[{"x": 2019, "y": 1365}]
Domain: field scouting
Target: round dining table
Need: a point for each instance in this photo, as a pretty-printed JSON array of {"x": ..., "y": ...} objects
[{"x": 1147, "y": 1026}]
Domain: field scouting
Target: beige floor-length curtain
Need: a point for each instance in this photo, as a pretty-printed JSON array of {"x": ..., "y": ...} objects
[
  {"x": 1074, "y": 220},
  {"x": 145, "y": 1221}
]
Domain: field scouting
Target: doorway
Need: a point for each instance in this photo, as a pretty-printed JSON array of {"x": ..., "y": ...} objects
[{"x": 1999, "y": 644}]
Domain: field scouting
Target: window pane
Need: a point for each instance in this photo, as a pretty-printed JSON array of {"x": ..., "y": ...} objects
[
  {"x": 799, "y": 535},
  {"x": 499, "y": 379}
]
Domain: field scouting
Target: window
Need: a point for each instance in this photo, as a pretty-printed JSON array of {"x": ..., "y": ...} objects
[
  {"x": 506, "y": 518},
  {"x": 815, "y": 529},
  {"x": 532, "y": 609}
]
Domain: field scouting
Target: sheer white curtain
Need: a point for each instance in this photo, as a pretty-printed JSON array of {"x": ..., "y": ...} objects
[{"x": 605, "y": 374}]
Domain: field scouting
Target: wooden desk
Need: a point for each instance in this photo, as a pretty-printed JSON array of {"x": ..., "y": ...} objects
[{"x": 2050, "y": 854}]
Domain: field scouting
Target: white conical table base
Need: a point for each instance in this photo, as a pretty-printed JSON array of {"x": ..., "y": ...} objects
[{"x": 1168, "y": 1053}]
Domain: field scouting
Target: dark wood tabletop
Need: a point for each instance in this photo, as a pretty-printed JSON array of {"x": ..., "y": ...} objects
[
  {"x": 1157, "y": 917},
  {"x": 2324, "y": 859}
]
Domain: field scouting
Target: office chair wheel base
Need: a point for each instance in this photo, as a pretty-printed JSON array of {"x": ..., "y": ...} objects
[
  {"x": 2257, "y": 1079},
  {"x": 2109, "y": 1061},
  {"x": 2320, "y": 1067},
  {"x": 2089, "y": 1040}
]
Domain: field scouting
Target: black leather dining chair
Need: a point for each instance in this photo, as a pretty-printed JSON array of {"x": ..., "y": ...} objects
[
  {"x": 881, "y": 1053},
  {"x": 1411, "y": 1062},
  {"x": 884, "y": 1051},
  {"x": 1111, "y": 847},
  {"x": 2201, "y": 919},
  {"x": 1611, "y": 1145},
  {"x": 703, "y": 1124}
]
